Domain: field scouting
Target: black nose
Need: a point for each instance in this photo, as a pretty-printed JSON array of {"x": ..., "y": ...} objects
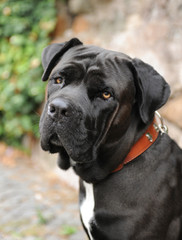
[{"x": 59, "y": 108}]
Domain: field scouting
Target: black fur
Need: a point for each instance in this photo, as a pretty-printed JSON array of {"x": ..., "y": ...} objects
[{"x": 93, "y": 135}]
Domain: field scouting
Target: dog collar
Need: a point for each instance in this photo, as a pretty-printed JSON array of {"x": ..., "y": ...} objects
[{"x": 146, "y": 140}]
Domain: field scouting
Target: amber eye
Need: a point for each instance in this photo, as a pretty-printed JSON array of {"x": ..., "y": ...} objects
[
  {"x": 58, "y": 80},
  {"x": 106, "y": 95}
]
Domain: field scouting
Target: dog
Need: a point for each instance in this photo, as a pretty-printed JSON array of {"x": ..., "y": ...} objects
[{"x": 99, "y": 117}]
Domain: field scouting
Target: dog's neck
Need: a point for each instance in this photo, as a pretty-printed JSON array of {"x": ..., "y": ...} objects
[
  {"x": 145, "y": 141},
  {"x": 111, "y": 155}
]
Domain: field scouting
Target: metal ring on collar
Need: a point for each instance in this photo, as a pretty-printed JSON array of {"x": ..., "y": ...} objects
[{"x": 162, "y": 127}]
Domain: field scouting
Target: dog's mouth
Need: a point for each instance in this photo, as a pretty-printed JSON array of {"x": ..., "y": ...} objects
[
  {"x": 51, "y": 144},
  {"x": 55, "y": 144}
]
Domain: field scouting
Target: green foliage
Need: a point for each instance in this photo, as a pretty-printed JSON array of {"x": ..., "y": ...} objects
[
  {"x": 67, "y": 230},
  {"x": 41, "y": 219},
  {"x": 25, "y": 27}
]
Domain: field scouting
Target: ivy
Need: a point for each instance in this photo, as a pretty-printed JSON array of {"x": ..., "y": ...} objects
[{"x": 25, "y": 28}]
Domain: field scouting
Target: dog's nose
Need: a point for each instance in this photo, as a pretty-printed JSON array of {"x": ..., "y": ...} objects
[{"x": 59, "y": 108}]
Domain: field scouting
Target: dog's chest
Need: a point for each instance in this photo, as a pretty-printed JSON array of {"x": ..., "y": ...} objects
[{"x": 87, "y": 207}]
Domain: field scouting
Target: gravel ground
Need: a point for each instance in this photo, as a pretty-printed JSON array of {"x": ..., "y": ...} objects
[{"x": 35, "y": 204}]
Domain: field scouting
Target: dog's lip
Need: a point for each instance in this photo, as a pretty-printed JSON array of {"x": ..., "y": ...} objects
[
  {"x": 51, "y": 144},
  {"x": 55, "y": 144},
  {"x": 55, "y": 140},
  {"x": 45, "y": 145}
]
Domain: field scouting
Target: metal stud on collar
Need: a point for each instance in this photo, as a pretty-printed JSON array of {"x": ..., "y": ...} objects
[
  {"x": 162, "y": 127},
  {"x": 149, "y": 136}
]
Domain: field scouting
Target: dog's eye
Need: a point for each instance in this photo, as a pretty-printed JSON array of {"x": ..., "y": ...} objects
[
  {"x": 106, "y": 95},
  {"x": 58, "y": 80}
]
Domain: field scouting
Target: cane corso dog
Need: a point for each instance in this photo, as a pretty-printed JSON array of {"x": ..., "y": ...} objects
[{"x": 99, "y": 117}]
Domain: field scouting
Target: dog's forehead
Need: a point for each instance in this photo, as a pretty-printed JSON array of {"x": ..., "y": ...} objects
[{"x": 89, "y": 55}]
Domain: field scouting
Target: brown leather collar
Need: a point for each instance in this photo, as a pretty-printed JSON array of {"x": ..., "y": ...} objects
[{"x": 146, "y": 140}]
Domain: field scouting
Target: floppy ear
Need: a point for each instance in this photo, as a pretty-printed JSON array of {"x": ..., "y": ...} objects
[
  {"x": 152, "y": 90},
  {"x": 53, "y": 52}
]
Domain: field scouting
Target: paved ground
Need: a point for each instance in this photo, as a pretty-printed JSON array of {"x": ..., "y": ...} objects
[{"x": 34, "y": 203}]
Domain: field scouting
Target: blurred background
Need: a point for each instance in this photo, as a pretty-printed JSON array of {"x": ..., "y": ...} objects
[{"x": 38, "y": 201}]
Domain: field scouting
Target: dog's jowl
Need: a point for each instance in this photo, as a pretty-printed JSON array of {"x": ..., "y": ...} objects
[{"x": 99, "y": 117}]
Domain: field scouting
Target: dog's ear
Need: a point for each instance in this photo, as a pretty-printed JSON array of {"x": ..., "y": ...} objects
[
  {"x": 52, "y": 54},
  {"x": 63, "y": 160},
  {"x": 152, "y": 90}
]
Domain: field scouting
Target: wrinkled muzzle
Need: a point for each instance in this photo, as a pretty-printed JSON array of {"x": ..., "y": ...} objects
[{"x": 63, "y": 128}]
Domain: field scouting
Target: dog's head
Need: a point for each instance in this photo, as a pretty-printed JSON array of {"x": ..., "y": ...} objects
[{"x": 97, "y": 103}]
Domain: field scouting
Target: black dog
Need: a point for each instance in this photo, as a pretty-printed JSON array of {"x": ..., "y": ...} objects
[{"x": 99, "y": 118}]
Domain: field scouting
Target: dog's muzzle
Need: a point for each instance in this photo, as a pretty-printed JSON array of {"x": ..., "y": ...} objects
[{"x": 59, "y": 113}]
